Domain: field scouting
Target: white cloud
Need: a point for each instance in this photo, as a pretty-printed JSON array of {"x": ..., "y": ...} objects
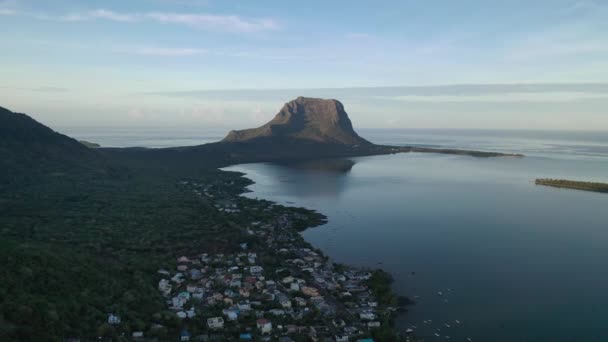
[
  {"x": 110, "y": 15},
  {"x": 169, "y": 52},
  {"x": 556, "y": 97},
  {"x": 226, "y": 23},
  {"x": 216, "y": 22}
]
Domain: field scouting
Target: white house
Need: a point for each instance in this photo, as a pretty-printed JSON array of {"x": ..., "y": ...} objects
[
  {"x": 374, "y": 324},
  {"x": 113, "y": 319},
  {"x": 285, "y": 303},
  {"x": 367, "y": 315},
  {"x": 231, "y": 314},
  {"x": 215, "y": 323},
  {"x": 244, "y": 307},
  {"x": 164, "y": 286},
  {"x": 256, "y": 270},
  {"x": 264, "y": 325}
]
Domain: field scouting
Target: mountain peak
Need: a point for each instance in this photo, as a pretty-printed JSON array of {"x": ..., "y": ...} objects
[{"x": 305, "y": 118}]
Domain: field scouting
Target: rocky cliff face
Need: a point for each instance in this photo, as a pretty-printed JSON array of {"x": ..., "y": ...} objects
[{"x": 318, "y": 120}]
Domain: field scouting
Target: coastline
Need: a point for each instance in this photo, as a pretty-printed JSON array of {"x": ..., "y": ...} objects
[{"x": 380, "y": 282}]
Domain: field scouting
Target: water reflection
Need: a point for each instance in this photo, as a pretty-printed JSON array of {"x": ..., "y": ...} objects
[{"x": 314, "y": 179}]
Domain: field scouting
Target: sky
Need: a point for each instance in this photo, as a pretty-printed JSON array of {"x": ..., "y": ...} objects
[{"x": 218, "y": 63}]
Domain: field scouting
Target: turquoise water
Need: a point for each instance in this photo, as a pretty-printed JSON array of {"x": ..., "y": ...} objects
[{"x": 514, "y": 261}]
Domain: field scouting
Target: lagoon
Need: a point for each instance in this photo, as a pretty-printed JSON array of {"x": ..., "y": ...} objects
[{"x": 513, "y": 261}]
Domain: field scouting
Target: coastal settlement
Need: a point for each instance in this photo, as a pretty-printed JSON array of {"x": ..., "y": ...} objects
[{"x": 273, "y": 286}]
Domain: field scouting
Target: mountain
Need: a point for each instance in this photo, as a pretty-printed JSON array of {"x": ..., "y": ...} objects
[
  {"x": 27, "y": 146},
  {"x": 306, "y": 119}
]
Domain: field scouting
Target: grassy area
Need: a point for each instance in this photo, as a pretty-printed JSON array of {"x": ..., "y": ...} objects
[{"x": 570, "y": 184}]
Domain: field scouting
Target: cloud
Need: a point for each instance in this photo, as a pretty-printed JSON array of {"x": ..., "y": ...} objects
[
  {"x": 215, "y": 22},
  {"x": 470, "y": 91},
  {"x": 169, "y": 52},
  {"x": 42, "y": 89},
  {"x": 109, "y": 15},
  {"x": 226, "y": 23}
]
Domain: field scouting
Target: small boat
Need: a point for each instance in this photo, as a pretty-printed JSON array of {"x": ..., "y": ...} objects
[
  {"x": 436, "y": 334},
  {"x": 409, "y": 331},
  {"x": 440, "y": 293}
]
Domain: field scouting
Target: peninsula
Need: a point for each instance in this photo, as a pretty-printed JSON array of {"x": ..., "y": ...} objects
[{"x": 570, "y": 184}]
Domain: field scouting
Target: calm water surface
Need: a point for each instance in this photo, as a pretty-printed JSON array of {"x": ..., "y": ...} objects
[{"x": 514, "y": 261}]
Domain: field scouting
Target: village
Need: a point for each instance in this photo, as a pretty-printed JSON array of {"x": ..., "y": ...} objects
[{"x": 274, "y": 287}]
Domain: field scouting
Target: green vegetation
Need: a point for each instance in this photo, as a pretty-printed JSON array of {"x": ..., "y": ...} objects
[
  {"x": 77, "y": 247},
  {"x": 570, "y": 184},
  {"x": 380, "y": 284}
]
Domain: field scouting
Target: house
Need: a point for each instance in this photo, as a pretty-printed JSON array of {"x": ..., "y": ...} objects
[
  {"x": 300, "y": 301},
  {"x": 310, "y": 291},
  {"x": 215, "y": 323},
  {"x": 178, "y": 278},
  {"x": 251, "y": 258},
  {"x": 264, "y": 325},
  {"x": 185, "y": 335},
  {"x": 367, "y": 315},
  {"x": 256, "y": 270},
  {"x": 285, "y": 303},
  {"x": 244, "y": 292},
  {"x": 244, "y": 307},
  {"x": 374, "y": 324},
  {"x": 245, "y": 337},
  {"x": 113, "y": 319},
  {"x": 137, "y": 334},
  {"x": 182, "y": 314},
  {"x": 231, "y": 314},
  {"x": 183, "y": 259},
  {"x": 277, "y": 312},
  {"x": 195, "y": 274},
  {"x": 341, "y": 338},
  {"x": 164, "y": 286}
]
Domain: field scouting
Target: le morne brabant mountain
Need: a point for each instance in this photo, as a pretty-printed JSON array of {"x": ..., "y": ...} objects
[
  {"x": 83, "y": 231},
  {"x": 319, "y": 120}
]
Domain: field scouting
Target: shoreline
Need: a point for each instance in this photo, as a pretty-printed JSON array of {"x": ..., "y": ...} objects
[{"x": 381, "y": 281}]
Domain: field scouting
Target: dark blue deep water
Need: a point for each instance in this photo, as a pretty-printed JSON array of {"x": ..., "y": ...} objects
[{"x": 514, "y": 261}]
